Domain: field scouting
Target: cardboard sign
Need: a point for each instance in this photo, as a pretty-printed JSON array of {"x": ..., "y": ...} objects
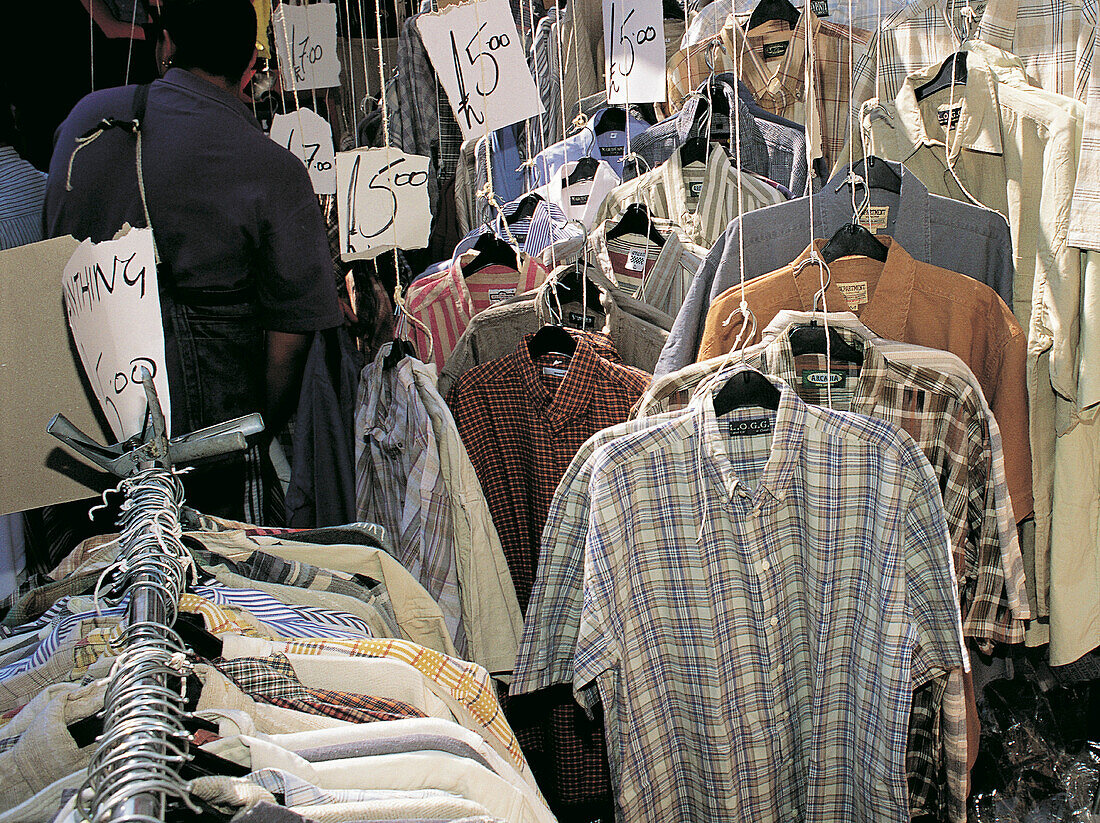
[
  {"x": 113, "y": 307},
  {"x": 305, "y": 42},
  {"x": 381, "y": 202},
  {"x": 478, "y": 54},
  {"x": 40, "y": 376},
  {"x": 308, "y": 136},
  {"x": 634, "y": 51}
]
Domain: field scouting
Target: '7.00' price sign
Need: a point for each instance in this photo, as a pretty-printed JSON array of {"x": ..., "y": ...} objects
[
  {"x": 381, "y": 202},
  {"x": 478, "y": 54},
  {"x": 634, "y": 51}
]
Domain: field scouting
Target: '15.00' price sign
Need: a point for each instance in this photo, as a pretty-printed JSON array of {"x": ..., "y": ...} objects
[
  {"x": 309, "y": 138},
  {"x": 478, "y": 55},
  {"x": 381, "y": 202},
  {"x": 634, "y": 51}
]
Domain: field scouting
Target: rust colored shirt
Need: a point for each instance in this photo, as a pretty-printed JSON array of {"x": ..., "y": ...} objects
[{"x": 913, "y": 302}]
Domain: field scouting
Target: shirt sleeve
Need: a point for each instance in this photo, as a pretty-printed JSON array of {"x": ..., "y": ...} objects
[{"x": 297, "y": 287}]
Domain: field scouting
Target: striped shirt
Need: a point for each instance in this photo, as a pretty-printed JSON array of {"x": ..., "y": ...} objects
[
  {"x": 445, "y": 302},
  {"x": 700, "y": 200},
  {"x": 22, "y": 195},
  {"x": 399, "y": 483},
  {"x": 752, "y": 607},
  {"x": 547, "y": 226}
]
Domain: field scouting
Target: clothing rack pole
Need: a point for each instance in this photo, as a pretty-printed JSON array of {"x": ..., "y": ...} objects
[{"x": 135, "y": 768}]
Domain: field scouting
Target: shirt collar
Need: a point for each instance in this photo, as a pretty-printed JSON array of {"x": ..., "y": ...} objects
[
  {"x": 181, "y": 78},
  {"x": 753, "y": 145},
  {"x": 775, "y": 89},
  {"x": 979, "y": 123},
  {"x": 575, "y": 390},
  {"x": 912, "y": 224},
  {"x": 669, "y": 256},
  {"x": 546, "y": 307},
  {"x": 787, "y": 436},
  {"x": 887, "y": 312},
  {"x": 718, "y": 176}
]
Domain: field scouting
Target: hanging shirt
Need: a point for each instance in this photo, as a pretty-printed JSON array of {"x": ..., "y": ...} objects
[
  {"x": 399, "y": 483},
  {"x": 546, "y": 227},
  {"x": 781, "y": 667},
  {"x": 772, "y": 63},
  {"x": 700, "y": 199},
  {"x": 588, "y": 142},
  {"x": 657, "y": 274},
  {"x": 581, "y": 200},
  {"x": 446, "y": 301}
]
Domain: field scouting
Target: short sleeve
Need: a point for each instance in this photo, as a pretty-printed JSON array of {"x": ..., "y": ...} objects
[{"x": 297, "y": 287}]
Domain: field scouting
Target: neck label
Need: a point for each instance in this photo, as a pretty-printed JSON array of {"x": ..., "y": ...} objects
[
  {"x": 756, "y": 425},
  {"x": 773, "y": 50}
]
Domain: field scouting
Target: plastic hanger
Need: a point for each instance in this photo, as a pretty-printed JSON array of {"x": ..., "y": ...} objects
[
  {"x": 768, "y": 10},
  {"x": 613, "y": 118},
  {"x": 636, "y": 220},
  {"x": 853, "y": 239},
  {"x": 951, "y": 73},
  {"x": 694, "y": 150},
  {"x": 552, "y": 339},
  {"x": 400, "y": 349},
  {"x": 492, "y": 251},
  {"x": 568, "y": 289},
  {"x": 810, "y": 338},
  {"x": 585, "y": 169},
  {"x": 525, "y": 209},
  {"x": 877, "y": 173},
  {"x": 746, "y": 388}
]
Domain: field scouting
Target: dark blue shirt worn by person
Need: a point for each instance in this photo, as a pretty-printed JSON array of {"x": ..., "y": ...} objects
[{"x": 235, "y": 219}]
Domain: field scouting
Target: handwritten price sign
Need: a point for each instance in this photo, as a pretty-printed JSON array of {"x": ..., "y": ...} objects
[
  {"x": 113, "y": 307},
  {"x": 308, "y": 136},
  {"x": 381, "y": 202},
  {"x": 634, "y": 51},
  {"x": 305, "y": 44},
  {"x": 478, "y": 54}
]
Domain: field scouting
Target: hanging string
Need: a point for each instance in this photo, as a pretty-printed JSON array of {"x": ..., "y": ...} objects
[
  {"x": 91, "y": 45},
  {"x": 130, "y": 47},
  {"x": 351, "y": 72}
]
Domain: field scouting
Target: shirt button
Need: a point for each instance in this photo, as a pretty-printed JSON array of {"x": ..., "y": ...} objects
[
  {"x": 765, "y": 565},
  {"x": 779, "y": 670},
  {"x": 773, "y": 622}
]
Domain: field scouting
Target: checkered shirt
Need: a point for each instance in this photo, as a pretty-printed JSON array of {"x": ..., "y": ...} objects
[
  {"x": 780, "y": 86},
  {"x": 466, "y": 683},
  {"x": 521, "y": 428},
  {"x": 272, "y": 680},
  {"x": 752, "y": 608},
  {"x": 399, "y": 483}
]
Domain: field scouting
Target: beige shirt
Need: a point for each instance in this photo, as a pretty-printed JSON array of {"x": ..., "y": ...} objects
[{"x": 490, "y": 611}]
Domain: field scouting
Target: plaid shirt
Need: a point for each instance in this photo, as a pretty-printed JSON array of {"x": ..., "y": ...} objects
[
  {"x": 468, "y": 684},
  {"x": 780, "y": 87},
  {"x": 399, "y": 483},
  {"x": 1053, "y": 38},
  {"x": 522, "y": 426},
  {"x": 772, "y": 682},
  {"x": 272, "y": 680},
  {"x": 702, "y": 202}
]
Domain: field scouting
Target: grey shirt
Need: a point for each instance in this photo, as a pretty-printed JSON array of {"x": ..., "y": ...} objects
[{"x": 937, "y": 230}]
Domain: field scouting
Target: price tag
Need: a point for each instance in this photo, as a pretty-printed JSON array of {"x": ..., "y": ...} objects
[
  {"x": 634, "y": 51},
  {"x": 305, "y": 43},
  {"x": 308, "y": 136},
  {"x": 381, "y": 202},
  {"x": 113, "y": 306},
  {"x": 478, "y": 54}
]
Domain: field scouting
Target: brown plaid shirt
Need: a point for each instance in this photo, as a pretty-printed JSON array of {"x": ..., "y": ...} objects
[
  {"x": 771, "y": 62},
  {"x": 272, "y": 680}
]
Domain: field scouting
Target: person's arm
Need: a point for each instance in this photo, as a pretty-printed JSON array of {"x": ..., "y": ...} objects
[{"x": 286, "y": 358}]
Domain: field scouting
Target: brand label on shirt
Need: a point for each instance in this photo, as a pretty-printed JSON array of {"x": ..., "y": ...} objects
[
  {"x": 820, "y": 7},
  {"x": 876, "y": 218},
  {"x": 821, "y": 379},
  {"x": 855, "y": 293},
  {"x": 948, "y": 116},
  {"x": 554, "y": 371},
  {"x": 578, "y": 199},
  {"x": 774, "y": 50},
  {"x": 635, "y": 261},
  {"x": 757, "y": 425},
  {"x": 575, "y": 320},
  {"x": 694, "y": 189},
  {"x": 612, "y": 151},
  {"x": 496, "y": 295}
]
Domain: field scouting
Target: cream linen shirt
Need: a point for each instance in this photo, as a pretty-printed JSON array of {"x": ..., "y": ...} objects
[
  {"x": 1015, "y": 150},
  {"x": 490, "y": 611}
]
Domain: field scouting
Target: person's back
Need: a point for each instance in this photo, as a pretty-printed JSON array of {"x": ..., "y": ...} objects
[{"x": 245, "y": 273}]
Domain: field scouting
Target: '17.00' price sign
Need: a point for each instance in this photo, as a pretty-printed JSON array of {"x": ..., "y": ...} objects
[
  {"x": 634, "y": 51},
  {"x": 305, "y": 43},
  {"x": 381, "y": 202},
  {"x": 478, "y": 54},
  {"x": 309, "y": 138}
]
